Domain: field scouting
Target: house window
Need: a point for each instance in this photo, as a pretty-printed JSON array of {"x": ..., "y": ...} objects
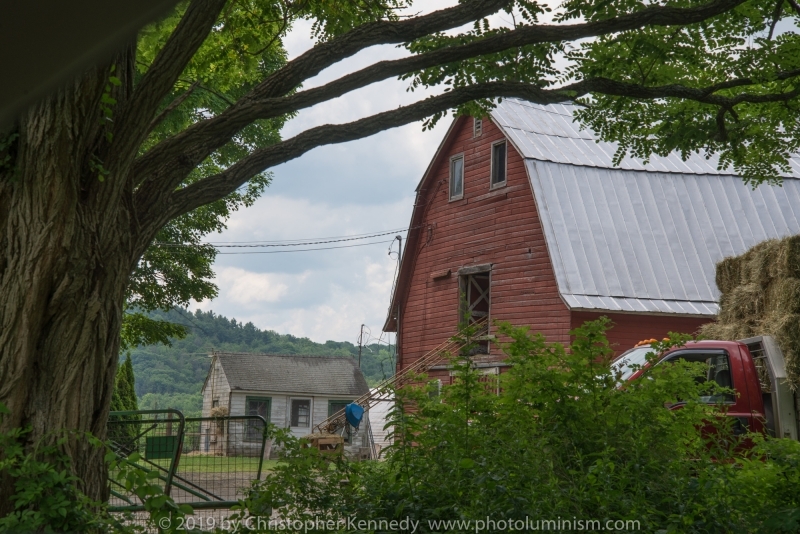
[
  {"x": 456, "y": 177},
  {"x": 475, "y": 302},
  {"x": 256, "y": 406},
  {"x": 336, "y": 406},
  {"x": 477, "y": 127},
  {"x": 301, "y": 412},
  {"x": 499, "y": 152},
  {"x": 215, "y": 403}
]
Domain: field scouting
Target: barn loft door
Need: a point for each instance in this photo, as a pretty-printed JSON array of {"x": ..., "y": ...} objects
[
  {"x": 476, "y": 301},
  {"x": 477, "y": 295}
]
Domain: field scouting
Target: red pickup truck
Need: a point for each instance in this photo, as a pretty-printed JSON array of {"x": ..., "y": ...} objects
[{"x": 753, "y": 367}]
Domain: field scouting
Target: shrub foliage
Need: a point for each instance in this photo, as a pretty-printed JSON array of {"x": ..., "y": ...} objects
[
  {"x": 562, "y": 440},
  {"x": 558, "y": 438}
]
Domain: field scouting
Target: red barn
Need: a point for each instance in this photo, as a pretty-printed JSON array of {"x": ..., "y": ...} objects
[{"x": 524, "y": 215}]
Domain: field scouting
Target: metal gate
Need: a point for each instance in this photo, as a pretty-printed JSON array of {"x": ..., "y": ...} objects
[{"x": 205, "y": 462}]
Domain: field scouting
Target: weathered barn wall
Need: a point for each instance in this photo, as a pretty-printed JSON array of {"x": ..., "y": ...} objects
[
  {"x": 499, "y": 226},
  {"x": 629, "y": 329}
]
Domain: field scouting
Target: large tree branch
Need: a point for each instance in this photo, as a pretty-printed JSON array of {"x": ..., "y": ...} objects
[
  {"x": 776, "y": 16},
  {"x": 213, "y": 133},
  {"x": 326, "y": 54},
  {"x": 200, "y": 140},
  {"x": 137, "y": 114},
  {"x": 705, "y": 95},
  {"x": 172, "y": 106},
  {"x": 274, "y": 107},
  {"x": 217, "y": 186}
]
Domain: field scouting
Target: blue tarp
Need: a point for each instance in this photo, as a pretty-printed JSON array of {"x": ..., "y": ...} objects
[{"x": 353, "y": 413}]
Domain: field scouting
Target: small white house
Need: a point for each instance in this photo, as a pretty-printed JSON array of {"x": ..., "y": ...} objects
[
  {"x": 378, "y": 417},
  {"x": 295, "y": 392}
]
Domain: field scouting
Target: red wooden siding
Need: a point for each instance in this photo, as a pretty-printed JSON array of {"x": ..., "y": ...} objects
[
  {"x": 498, "y": 226},
  {"x": 629, "y": 329}
]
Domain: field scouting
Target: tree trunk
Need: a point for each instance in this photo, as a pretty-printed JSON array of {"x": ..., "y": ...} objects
[{"x": 65, "y": 258}]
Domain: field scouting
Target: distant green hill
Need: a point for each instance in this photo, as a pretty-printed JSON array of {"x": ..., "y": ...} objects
[{"x": 171, "y": 377}]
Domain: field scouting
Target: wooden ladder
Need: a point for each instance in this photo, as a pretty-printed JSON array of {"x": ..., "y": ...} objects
[{"x": 385, "y": 390}]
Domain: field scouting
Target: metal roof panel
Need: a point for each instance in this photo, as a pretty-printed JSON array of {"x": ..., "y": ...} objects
[
  {"x": 548, "y": 133},
  {"x": 644, "y": 241}
]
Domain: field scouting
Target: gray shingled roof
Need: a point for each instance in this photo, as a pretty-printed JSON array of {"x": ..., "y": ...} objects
[
  {"x": 310, "y": 375},
  {"x": 639, "y": 238}
]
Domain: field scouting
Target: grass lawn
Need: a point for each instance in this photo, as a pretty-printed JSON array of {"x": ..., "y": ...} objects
[{"x": 218, "y": 464}]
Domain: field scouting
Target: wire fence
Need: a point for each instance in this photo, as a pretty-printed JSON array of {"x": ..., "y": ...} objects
[
  {"x": 220, "y": 458},
  {"x": 206, "y": 462}
]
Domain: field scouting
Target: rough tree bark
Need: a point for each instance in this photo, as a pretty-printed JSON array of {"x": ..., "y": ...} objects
[
  {"x": 65, "y": 257},
  {"x": 79, "y": 205}
]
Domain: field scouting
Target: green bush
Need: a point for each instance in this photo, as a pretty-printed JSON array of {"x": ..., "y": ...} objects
[{"x": 563, "y": 441}]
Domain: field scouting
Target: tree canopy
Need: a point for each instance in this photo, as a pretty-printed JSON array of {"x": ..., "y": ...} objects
[
  {"x": 717, "y": 77},
  {"x": 124, "y": 398}
]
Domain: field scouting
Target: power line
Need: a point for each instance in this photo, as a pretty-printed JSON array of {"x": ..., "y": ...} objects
[
  {"x": 287, "y": 244},
  {"x": 306, "y": 249},
  {"x": 308, "y": 239}
]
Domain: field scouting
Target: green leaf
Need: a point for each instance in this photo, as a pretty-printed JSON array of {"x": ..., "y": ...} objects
[{"x": 466, "y": 463}]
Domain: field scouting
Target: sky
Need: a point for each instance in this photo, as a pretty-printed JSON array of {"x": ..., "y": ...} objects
[{"x": 361, "y": 187}]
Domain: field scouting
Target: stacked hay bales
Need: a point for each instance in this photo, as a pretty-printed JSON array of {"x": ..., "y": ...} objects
[{"x": 761, "y": 296}]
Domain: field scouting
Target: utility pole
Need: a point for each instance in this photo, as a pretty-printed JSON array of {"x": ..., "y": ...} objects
[
  {"x": 399, "y": 247},
  {"x": 360, "y": 337}
]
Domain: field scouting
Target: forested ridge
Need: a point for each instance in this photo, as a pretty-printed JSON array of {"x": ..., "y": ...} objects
[{"x": 171, "y": 376}]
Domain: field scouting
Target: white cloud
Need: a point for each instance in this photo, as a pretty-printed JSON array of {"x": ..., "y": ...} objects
[
  {"x": 342, "y": 299},
  {"x": 248, "y": 288}
]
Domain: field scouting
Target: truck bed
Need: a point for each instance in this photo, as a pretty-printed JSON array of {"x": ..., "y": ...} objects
[{"x": 781, "y": 404}]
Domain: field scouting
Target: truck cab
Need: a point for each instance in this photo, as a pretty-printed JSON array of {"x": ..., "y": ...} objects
[{"x": 753, "y": 367}]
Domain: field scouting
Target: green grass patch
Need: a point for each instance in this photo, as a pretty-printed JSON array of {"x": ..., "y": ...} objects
[{"x": 218, "y": 464}]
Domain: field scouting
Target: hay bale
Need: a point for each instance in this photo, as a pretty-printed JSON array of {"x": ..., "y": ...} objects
[
  {"x": 743, "y": 303},
  {"x": 726, "y": 331},
  {"x": 760, "y": 295},
  {"x": 785, "y": 328},
  {"x": 762, "y": 263},
  {"x": 729, "y": 273},
  {"x": 782, "y": 296},
  {"x": 789, "y": 259}
]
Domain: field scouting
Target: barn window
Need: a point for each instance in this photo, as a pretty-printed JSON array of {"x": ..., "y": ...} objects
[
  {"x": 477, "y": 127},
  {"x": 215, "y": 403},
  {"x": 336, "y": 406},
  {"x": 435, "y": 388},
  {"x": 301, "y": 412},
  {"x": 475, "y": 298},
  {"x": 499, "y": 151},
  {"x": 456, "y": 177},
  {"x": 490, "y": 378},
  {"x": 256, "y": 406}
]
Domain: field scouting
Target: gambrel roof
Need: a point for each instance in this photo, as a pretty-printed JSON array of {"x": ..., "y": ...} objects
[
  {"x": 306, "y": 375},
  {"x": 548, "y": 133},
  {"x": 641, "y": 238}
]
